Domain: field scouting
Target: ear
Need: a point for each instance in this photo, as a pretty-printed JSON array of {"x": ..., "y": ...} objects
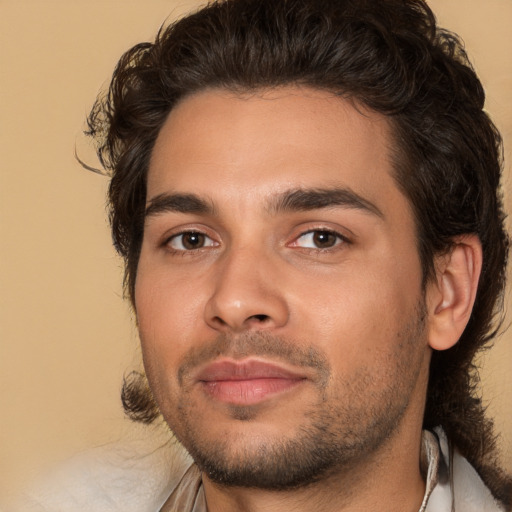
[{"x": 450, "y": 297}]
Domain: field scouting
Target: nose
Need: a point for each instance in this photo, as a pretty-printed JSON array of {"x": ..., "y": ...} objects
[{"x": 246, "y": 294}]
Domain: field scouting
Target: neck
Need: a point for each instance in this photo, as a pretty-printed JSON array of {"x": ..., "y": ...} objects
[{"x": 389, "y": 480}]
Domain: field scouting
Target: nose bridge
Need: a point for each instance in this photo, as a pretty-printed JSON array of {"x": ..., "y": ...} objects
[{"x": 246, "y": 294}]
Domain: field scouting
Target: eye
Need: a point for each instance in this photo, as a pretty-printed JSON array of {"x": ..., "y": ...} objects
[
  {"x": 319, "y": 239},
  {"x": 189, "y": 241}
]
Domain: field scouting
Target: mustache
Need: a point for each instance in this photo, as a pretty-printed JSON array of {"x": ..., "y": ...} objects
[{"x": 256, "y": 344}]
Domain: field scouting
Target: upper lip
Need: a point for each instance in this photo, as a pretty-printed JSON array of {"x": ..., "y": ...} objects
[{"x": 245, "y": 370}]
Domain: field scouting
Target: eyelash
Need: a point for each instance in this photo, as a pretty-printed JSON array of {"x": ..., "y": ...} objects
[
  {"x": 177, "y": 236},
  {"x": 340, "y": 240}
]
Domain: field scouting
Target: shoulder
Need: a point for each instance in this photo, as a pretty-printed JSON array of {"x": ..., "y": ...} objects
[
  {"x": 465, "y": 488},
  {"x": 129, "y": 476}
]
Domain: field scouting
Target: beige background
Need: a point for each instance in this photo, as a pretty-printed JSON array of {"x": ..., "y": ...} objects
[{"x": 66, "y": 335}]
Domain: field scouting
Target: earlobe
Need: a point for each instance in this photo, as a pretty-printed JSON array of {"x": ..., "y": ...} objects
[{"x": 451, "y": 296}]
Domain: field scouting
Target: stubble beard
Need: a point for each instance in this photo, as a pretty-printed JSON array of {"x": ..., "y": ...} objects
[{"x": 346, "y": 426}]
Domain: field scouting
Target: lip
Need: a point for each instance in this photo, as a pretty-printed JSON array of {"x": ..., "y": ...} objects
[{"x": 246, "y": 382}]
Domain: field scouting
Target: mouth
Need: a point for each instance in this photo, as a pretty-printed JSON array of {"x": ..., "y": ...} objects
[{"x": 246, "y": 382}]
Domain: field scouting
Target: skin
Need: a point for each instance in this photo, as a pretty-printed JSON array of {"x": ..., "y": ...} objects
[{"x": 332, "y": 294}]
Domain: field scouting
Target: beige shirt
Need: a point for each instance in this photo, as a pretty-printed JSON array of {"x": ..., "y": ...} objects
[{"x": 133, "y": 478}]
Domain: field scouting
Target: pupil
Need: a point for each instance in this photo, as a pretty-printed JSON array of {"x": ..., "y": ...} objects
[
  {"x": 193, "y": 240},
  {"x": 324, "y": 239}
]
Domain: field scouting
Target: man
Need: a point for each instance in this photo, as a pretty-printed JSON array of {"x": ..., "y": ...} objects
[{"x": 306, "y": 196}]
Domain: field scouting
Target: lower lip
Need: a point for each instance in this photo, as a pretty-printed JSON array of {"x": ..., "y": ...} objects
[{"x": 248, "y": 392}]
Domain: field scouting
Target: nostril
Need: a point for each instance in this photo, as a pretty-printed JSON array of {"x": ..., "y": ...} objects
[
  {"x": 260, "y": 318},
  {"x": 218, "y": 320}
]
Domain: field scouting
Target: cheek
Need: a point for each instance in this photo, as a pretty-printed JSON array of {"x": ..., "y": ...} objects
[
  {"x": 358, "y": 315},
  {"x": 167, "y": 312}
]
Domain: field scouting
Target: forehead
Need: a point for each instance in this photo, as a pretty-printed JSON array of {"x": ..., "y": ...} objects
[{"x": 239, "y": 147}]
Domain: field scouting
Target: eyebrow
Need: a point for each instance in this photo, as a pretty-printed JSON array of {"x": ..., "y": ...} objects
[
  {"x": 181, "y": 203},
  {"x": 288, "y": 201},
  {"x": 313, "y": 199}
]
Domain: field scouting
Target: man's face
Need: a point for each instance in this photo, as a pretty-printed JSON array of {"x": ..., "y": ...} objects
[{"x": 278, "y": 293}]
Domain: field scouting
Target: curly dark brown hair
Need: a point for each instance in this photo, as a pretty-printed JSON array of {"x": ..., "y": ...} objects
[{"x": 388, "y": 55}]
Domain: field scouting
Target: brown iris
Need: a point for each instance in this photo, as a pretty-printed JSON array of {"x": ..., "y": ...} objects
[
  {"x": 324, "y": 239},
  {"x": 193, "y": 240}
]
